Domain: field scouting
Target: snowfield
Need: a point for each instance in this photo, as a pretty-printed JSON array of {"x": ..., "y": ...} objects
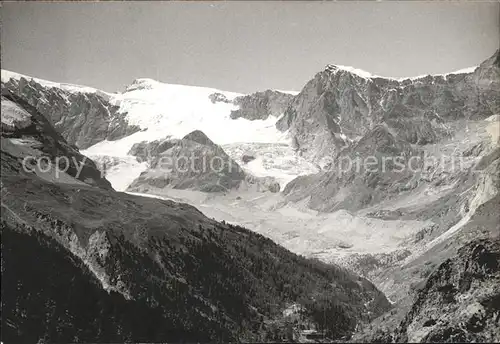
[{"x": 176, "y": 110}]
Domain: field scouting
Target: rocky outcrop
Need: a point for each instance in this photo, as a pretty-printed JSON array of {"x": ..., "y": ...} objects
[
  {"x": 247, "y": 157},
  {"x": 194, "y": 162},
  {"x": 373, "y": 169},
  {"x": 147, "y": 151},
  {"x": 460, "y": 301},
  {"x": 31, "y": 146},
  {"x": 338, "y": 106},
  {"x": 261, "y": 105},
  {"x": 218, "y": 97},
  {"x": 83, "y": 118}
]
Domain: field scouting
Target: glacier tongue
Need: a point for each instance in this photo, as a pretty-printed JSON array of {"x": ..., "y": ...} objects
[{"x": 277, "y": 160}]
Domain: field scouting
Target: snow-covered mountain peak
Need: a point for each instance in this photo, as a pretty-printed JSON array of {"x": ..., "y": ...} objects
[
  {"x": 334, "y": 68},
  {"x": 146, "y": 87},
  {"x": 359, "y": 72}
]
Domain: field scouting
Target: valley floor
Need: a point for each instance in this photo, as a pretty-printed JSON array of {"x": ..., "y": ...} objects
[{"x": 331, "y": 237}]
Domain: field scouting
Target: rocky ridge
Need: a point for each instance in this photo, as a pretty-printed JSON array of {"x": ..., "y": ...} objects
[
  {"x": 31, "y": 146},
  {"x": 83, "y": 117},
  {"x": 261, "y": 105},
  {"x": 339, "y": 106},
  {"x": 194, "y": 162}
]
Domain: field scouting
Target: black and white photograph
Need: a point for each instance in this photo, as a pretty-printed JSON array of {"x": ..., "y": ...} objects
[{"x": 250, "y": 171}]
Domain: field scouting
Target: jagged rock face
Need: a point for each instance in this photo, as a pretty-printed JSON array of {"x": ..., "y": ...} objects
[
  {"x": 82, "y": 118},
  {"x": 194, "y": 162},
  {"x": 460, "y": 301},
  {"x": 314, "y": 115},
  {"x": 449, "y": 192},
  {"x": 400, "y": 170},
  {"x": 261, "y": 105},
  {"x": 352, "y": 182},
  {"x": 337, "y": 106},
  {"x": 147, "y": 151},
  {"x": 428, "y": 124},
  {"x": 31, "y": 146}
]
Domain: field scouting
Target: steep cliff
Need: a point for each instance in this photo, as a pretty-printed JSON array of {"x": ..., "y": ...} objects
[
  {"x": 374, "y": 140},
  {"x": 83, "y": 116},
  {"x": 31, "y": 146},
  {"x": 342, "y": 104},
  {"x": 261, "y": 105}
]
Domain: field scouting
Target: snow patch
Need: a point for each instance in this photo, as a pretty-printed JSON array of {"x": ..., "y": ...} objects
[
  {"x": 367, "y": 75},
  {"x": 294, "y": 93},
  {"x": 357, "y": 71},
  {"x": 7, "y": 75}
]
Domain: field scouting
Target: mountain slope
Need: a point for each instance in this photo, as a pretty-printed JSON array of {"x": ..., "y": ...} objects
[
  {"x": 49, "y": 295},
  {"x": 386, "y": 169},
  {"x": 445, "y": 132},
  {"x": 183, "y": 276},
  {"x": 146, "y": 248},
  {"x": 458, "y": 302},
  {"x": 31, "y": 145},
  {"x": 83, "y": 116}
]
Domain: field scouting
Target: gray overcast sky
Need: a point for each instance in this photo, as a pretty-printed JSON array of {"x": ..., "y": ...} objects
[{"x": 241, "y": 46}]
